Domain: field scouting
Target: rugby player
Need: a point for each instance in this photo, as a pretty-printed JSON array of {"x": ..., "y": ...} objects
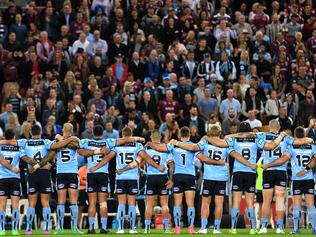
[
  {"x": 97, "y": 183},
  {"x": 126, "y": 182},
  {"x": 244, "y": 177},
  {"x": 302, "y": 178},
  {"x": 275, "y": 178},
  {"x": 10, "y": 184},
  {"x": 184, "y": 177},
  {"x": 214, "y": 176}
]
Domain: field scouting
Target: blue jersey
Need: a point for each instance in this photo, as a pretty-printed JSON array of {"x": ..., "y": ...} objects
[
  {"x": 96, "y": 144},
  {"x": 183, "y": 160},
  {"x": 300, "y": 157},
  {"x": 67, "y": 162},
  {"x": 35, "y": 148},
  {"x": 12, "y": 154},
  {"x": 125, "y": 155},
  {"x": 247, "y": 147},
  {"x": 272, "y": 155},
  {"x": 161, "y": 158},
  {"x": 214, "y": 172}
]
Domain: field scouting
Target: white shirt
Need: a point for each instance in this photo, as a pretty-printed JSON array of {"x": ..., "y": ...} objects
[
  {"x": 78, "y": 44},
  {"x": 254, "y": 123}
]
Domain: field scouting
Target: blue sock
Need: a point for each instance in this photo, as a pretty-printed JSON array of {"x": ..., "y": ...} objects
[
  {"x": 203, "y": 223},
  {"x": 46, "y": 217},
  {"x": 91, "y": 223},
  {"x": 279, "y": 223},
  {"x": 176, "y": 216},
  {"x": 296, "y": 217},
  {"x": 217, "y": 224},
  {"x": 2, "y": 220},
  {"x": 234, "y": 217},
  {"x": 15, "y": 219},
  {"x": 60, "y": 215},
  {"x": 104, "y": 223},
  {"x": 74, "y": 215},
  {"x": 30, "y": 213},
  {"x": 165, "y": 222},
  {"x": 132, "y": 217},
  {"x": 147, "y": 224},
  {"x": 191, "y": 216},
  {"x": 252, "y": 218},
  {"x": 264, "y": 222},
  {"x": 120, "y": 216},
  {"x": 311, "y": 210}
]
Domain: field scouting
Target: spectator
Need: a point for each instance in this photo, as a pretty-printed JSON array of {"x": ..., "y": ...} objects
[
  {"x": 120, "y": 70},
  {"x": 290, "y": 106},
  {"x": 110, "y": 132},
  {"x": 311, "y": 130},
  {"x": 14, "y": 124},
  {"x": 225, "y": 68},
  {"x": 97, "y": 43},
  {"x": 88, "y": 132},
  {"x": 285, "y": 121},
  {"x": 169, "y": 105},
  {"x": 252, "y": 103},
  {"x": 229, "y": 102},
  {"x": 207, "y": 105},
  {"x": 206, "y": 68},
  {"x": 230, "y": 121},
  {"x": 98, "y": 102},
  {"x": 81, "y": 43},
  {"x": 254, "y": 123},
  {"x": 19, "y": 29},
  {"x": 272, "y": 106},
  {"x": 306, "y": 109},
  {"x": 194, "y": 120}
]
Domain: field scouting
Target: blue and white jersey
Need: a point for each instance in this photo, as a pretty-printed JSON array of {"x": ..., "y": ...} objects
[
  {"x": 214, "y": 172},
  {"x": 96, "y": 144},
  {"x": 67, "y": 162},
  {"x": 161, "y": 158},
  {"x": 35, "y": 148},
  {"x": 300, "y": 157},
  {"x": 125, "y": 155},
  {"x": 183, "y": 160},
  {"x": 247, "y": 147},
  {"x": 272, "y": 155},
  {"x": 12, "y": 154}
]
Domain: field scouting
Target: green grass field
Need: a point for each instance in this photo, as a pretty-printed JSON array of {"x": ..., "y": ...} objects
[{"x": 241, "y": 232}]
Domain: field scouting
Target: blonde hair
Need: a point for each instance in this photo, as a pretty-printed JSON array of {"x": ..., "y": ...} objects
[
  {"x": 70, "y": 74},
  {"x": 214, "y": 130}
]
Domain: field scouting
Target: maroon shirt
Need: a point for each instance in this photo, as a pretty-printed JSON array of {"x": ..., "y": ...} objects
[{"x": 168, "y": 107}]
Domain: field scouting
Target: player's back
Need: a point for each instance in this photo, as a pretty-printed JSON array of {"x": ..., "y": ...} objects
[
  {"x": 183, "y": 160},
  {"x": 161, "y": 158},
  {"x": 11, "y": 154},
  {"x": 247, "y": 147},
  {"x": 214, "y": 172},
  {"x": 272, "y": 155},
  {"x": 300, "y": 157},
  {"x": 67, "y": 162},
  {"x": 35, "y": 148},
  {"x": 125, "y": 155},
  {"x": 95, "y": 144}
]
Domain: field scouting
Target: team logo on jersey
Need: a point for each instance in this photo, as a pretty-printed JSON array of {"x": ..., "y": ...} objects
[
  {"x": 251, "y": 189},
  {"x": 119, "y": 190},
  {"x": 90, "y": 189},
  {"x": 150, "y": 192},
  {"x": 266, "y": 185},
  {"x": 297, "y": 191},
  {"x": 311, "y": 190},
  {"x": 134, "y": 190},
  {"x": 235, "y": 187},
  {"x": 32, "y": 190},
  {"x": 16, "y": 192},
  {"x": 48, "y": 189},
  {"x": 221, "y": 191},
  {"x": 61, "y": 186},
  {"x": 2, "y": 192},
  {"x": 282, "y": 183},
  {"x": 176, "y": 189},
  {"x": 163, "y": 192}
]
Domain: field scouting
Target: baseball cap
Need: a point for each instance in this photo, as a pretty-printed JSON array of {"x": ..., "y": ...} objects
[
  {"x": 147, "y": 79},
  {"x": 166, "y": 76}
]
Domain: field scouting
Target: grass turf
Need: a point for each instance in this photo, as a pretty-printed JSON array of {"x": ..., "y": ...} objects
[{"x": 241, "y": 232}]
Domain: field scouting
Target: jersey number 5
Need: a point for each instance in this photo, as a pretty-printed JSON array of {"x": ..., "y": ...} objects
[{"x": 65, "y": 156}]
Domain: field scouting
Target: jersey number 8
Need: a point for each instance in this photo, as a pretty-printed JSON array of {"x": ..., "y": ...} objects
[{"x": 246, "y": 153}]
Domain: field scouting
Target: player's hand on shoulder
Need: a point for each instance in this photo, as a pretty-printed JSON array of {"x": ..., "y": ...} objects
[
  {"x": 173, "y": 142},
  {"x": 59, "y": 137},
  {"x": 283, "y": 134}
]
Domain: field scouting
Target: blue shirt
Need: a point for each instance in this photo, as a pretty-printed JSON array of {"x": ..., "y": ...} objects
[
  {"x": 183, "y": 160},
  {"x": 208, "y": 106},
  {"x": 12, "y": 154},
  {"x": 300, "y": 157},
  {"x": 114, "y": 134},
  {"x": 161, "y": 158},
  {"x": 35, "y": 148},
  {"x": 67, "y": 162},
  {"x": 125, "y": 155},
  {"x": 272, "y": 155},
  {"x": 96, "y": 144},
  {"x": 214, "y": 172},
  {"x": 227, "y": 104},
  {"x": 119, "y": 71},
  {"x": 247, "y": 147}
]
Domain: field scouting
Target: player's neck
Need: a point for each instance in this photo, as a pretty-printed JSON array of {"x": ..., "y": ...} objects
[
  {"x": 36, "y": 137},
  {"x": 185, "y": 139}
]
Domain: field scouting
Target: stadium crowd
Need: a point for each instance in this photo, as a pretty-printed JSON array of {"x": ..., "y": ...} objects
[{"x": 147, "y": 65}]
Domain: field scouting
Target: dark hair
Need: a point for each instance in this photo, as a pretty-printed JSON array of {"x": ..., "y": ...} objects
[
  {"x": 98, "y": 130},
  {"x": 299, "y": 132},
  {"x": 185, "y": 132},
  {"x": 36, "y": 130},
  {"x": 244, "y": 127},
  {"x": 9, "y": 134}
]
